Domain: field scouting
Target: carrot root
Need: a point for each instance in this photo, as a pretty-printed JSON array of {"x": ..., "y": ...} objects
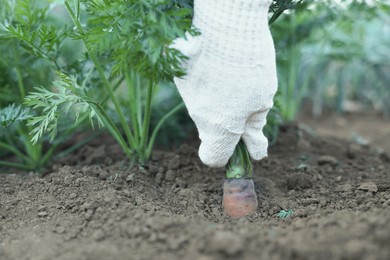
[{"x": 239, "y": 198}]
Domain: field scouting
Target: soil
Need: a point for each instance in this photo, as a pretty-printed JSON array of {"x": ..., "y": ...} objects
[
  {"x": 367, "y": 127},
  {"x": 93, "y": 205}
]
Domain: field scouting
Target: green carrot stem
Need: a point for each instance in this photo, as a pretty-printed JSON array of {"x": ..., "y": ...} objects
[
  {"x": 106, "y": 83},
  {"x": 146, "y": 122},
  {"x": 239, "y": 165},
  {"x": 14, "y": 165},
  {"x": 159, "y": 125}
]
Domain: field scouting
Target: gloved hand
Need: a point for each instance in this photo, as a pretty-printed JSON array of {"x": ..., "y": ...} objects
[{"x": 231, "y": 77}]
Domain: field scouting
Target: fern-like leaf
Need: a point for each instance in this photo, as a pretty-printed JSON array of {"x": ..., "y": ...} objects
[
  {"x": 68, "y": 93},
  {"x": 13, "y": 113},
  {"x": 285, "y": 213}
]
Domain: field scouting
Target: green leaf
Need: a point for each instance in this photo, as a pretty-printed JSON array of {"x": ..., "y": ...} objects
[
  {"x": 68, "y": 94},
  {"x": 285, "y": 213},
  {"x": 13, "y": 113}
]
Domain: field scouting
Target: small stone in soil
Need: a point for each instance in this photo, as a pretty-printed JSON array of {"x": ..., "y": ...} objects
[
  {"x": 344, "y": 188},
  {"x": 368, "y": 186},
  {"x": 42, "y": 208},
  {"x": 72, "y": 195},
  {"x": 327, "y": 159},
  {"x": 88, "y": 215},
  {"x": 60, "y": 230},
  {"x": 42, "y": 214},
  {"x": 159, "y": 178},
  {"x": 98, "y": 235}
]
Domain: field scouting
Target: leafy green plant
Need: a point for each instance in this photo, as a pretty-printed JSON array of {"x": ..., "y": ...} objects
[
  {"x": 285, "y": 213},
  {"x": 356, "y": 53},
  {"x": 278, "y": 7},
  {"x": 295, "y": 72},
  {"x": 32, "y": 48},
  {"x": 127, "y": 44},
  {"x": 327, "y": 55}
]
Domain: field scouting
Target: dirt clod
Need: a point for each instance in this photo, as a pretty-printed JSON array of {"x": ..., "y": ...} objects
[
  {"x": 368, "y": 186},
  {"x": 98, "y": 235},
  {"x": 353, "y": 150},
  {"x": 298, "y": 181},
  {"x": 327, "y": 159},
  {"x": 42, "y": 214},
  {"x": 174, "y": 163},
  {"x": 170, "y": 175}
]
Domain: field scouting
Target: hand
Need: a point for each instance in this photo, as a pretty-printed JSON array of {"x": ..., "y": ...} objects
[{"x": 231, "y": 77}]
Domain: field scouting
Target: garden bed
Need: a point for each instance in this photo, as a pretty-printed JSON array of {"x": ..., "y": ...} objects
[{"x": 94, "y": 206}]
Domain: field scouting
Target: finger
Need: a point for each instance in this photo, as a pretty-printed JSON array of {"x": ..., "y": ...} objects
[
  {"x": 217, "y": 147},
  {"x": 255, "y": 141},
  {"x": 218, "y": 136}
]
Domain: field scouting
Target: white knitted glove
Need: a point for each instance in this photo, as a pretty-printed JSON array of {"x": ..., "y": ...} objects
[{"x": 231, "y": 77}]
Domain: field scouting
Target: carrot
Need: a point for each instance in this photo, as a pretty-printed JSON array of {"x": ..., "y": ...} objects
[{"x": 239, "y": 198}]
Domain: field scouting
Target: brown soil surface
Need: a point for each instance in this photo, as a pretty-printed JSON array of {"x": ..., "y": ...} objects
[
  {"x": 97, "y": 207},
  {"x": 370, "y": 127}
]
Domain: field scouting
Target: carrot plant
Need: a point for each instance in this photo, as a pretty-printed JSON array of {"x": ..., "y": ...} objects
[
  {"x": 126, "y": 45},
  {"x": 30, "y": 51}
]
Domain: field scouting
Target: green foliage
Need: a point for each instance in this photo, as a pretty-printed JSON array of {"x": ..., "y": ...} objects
[
  {"x": 134, "y": 34},
  {"x": 13, "y": 113},
  {"x": 31, "y": 45},
  {"x": 356, "y": 52},
  {"x": 278, "y": 7},
  {"x": 328, "y": 53},
  {"x": 277, "y": 114},
  {"x": 274, "y": 121},
  {"x": 285, "y": 213},
  {"x": 67, "y": 94},
  {"x": 127, "y": 49},
  {"x": 239, "y": 165}
]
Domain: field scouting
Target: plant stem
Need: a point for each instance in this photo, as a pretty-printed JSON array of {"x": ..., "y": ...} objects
[
  {"x": 131, "y": 89},
  {"x": 159, "y": 125},
  {"x": 102, "y": 75},
  {"x": 22, "y": 90},
  {"x": 239, "y": 165},
  {"x": 110, "y": 125},
  {"x": 15, "y": 165},
  {"x": 34, "y": 151},
  {"x": 14, "y": 150},
  {"x": 77, "y": 145},
  {"x": 146, "y": 122},
  {"x": 138, "y": 97}
]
